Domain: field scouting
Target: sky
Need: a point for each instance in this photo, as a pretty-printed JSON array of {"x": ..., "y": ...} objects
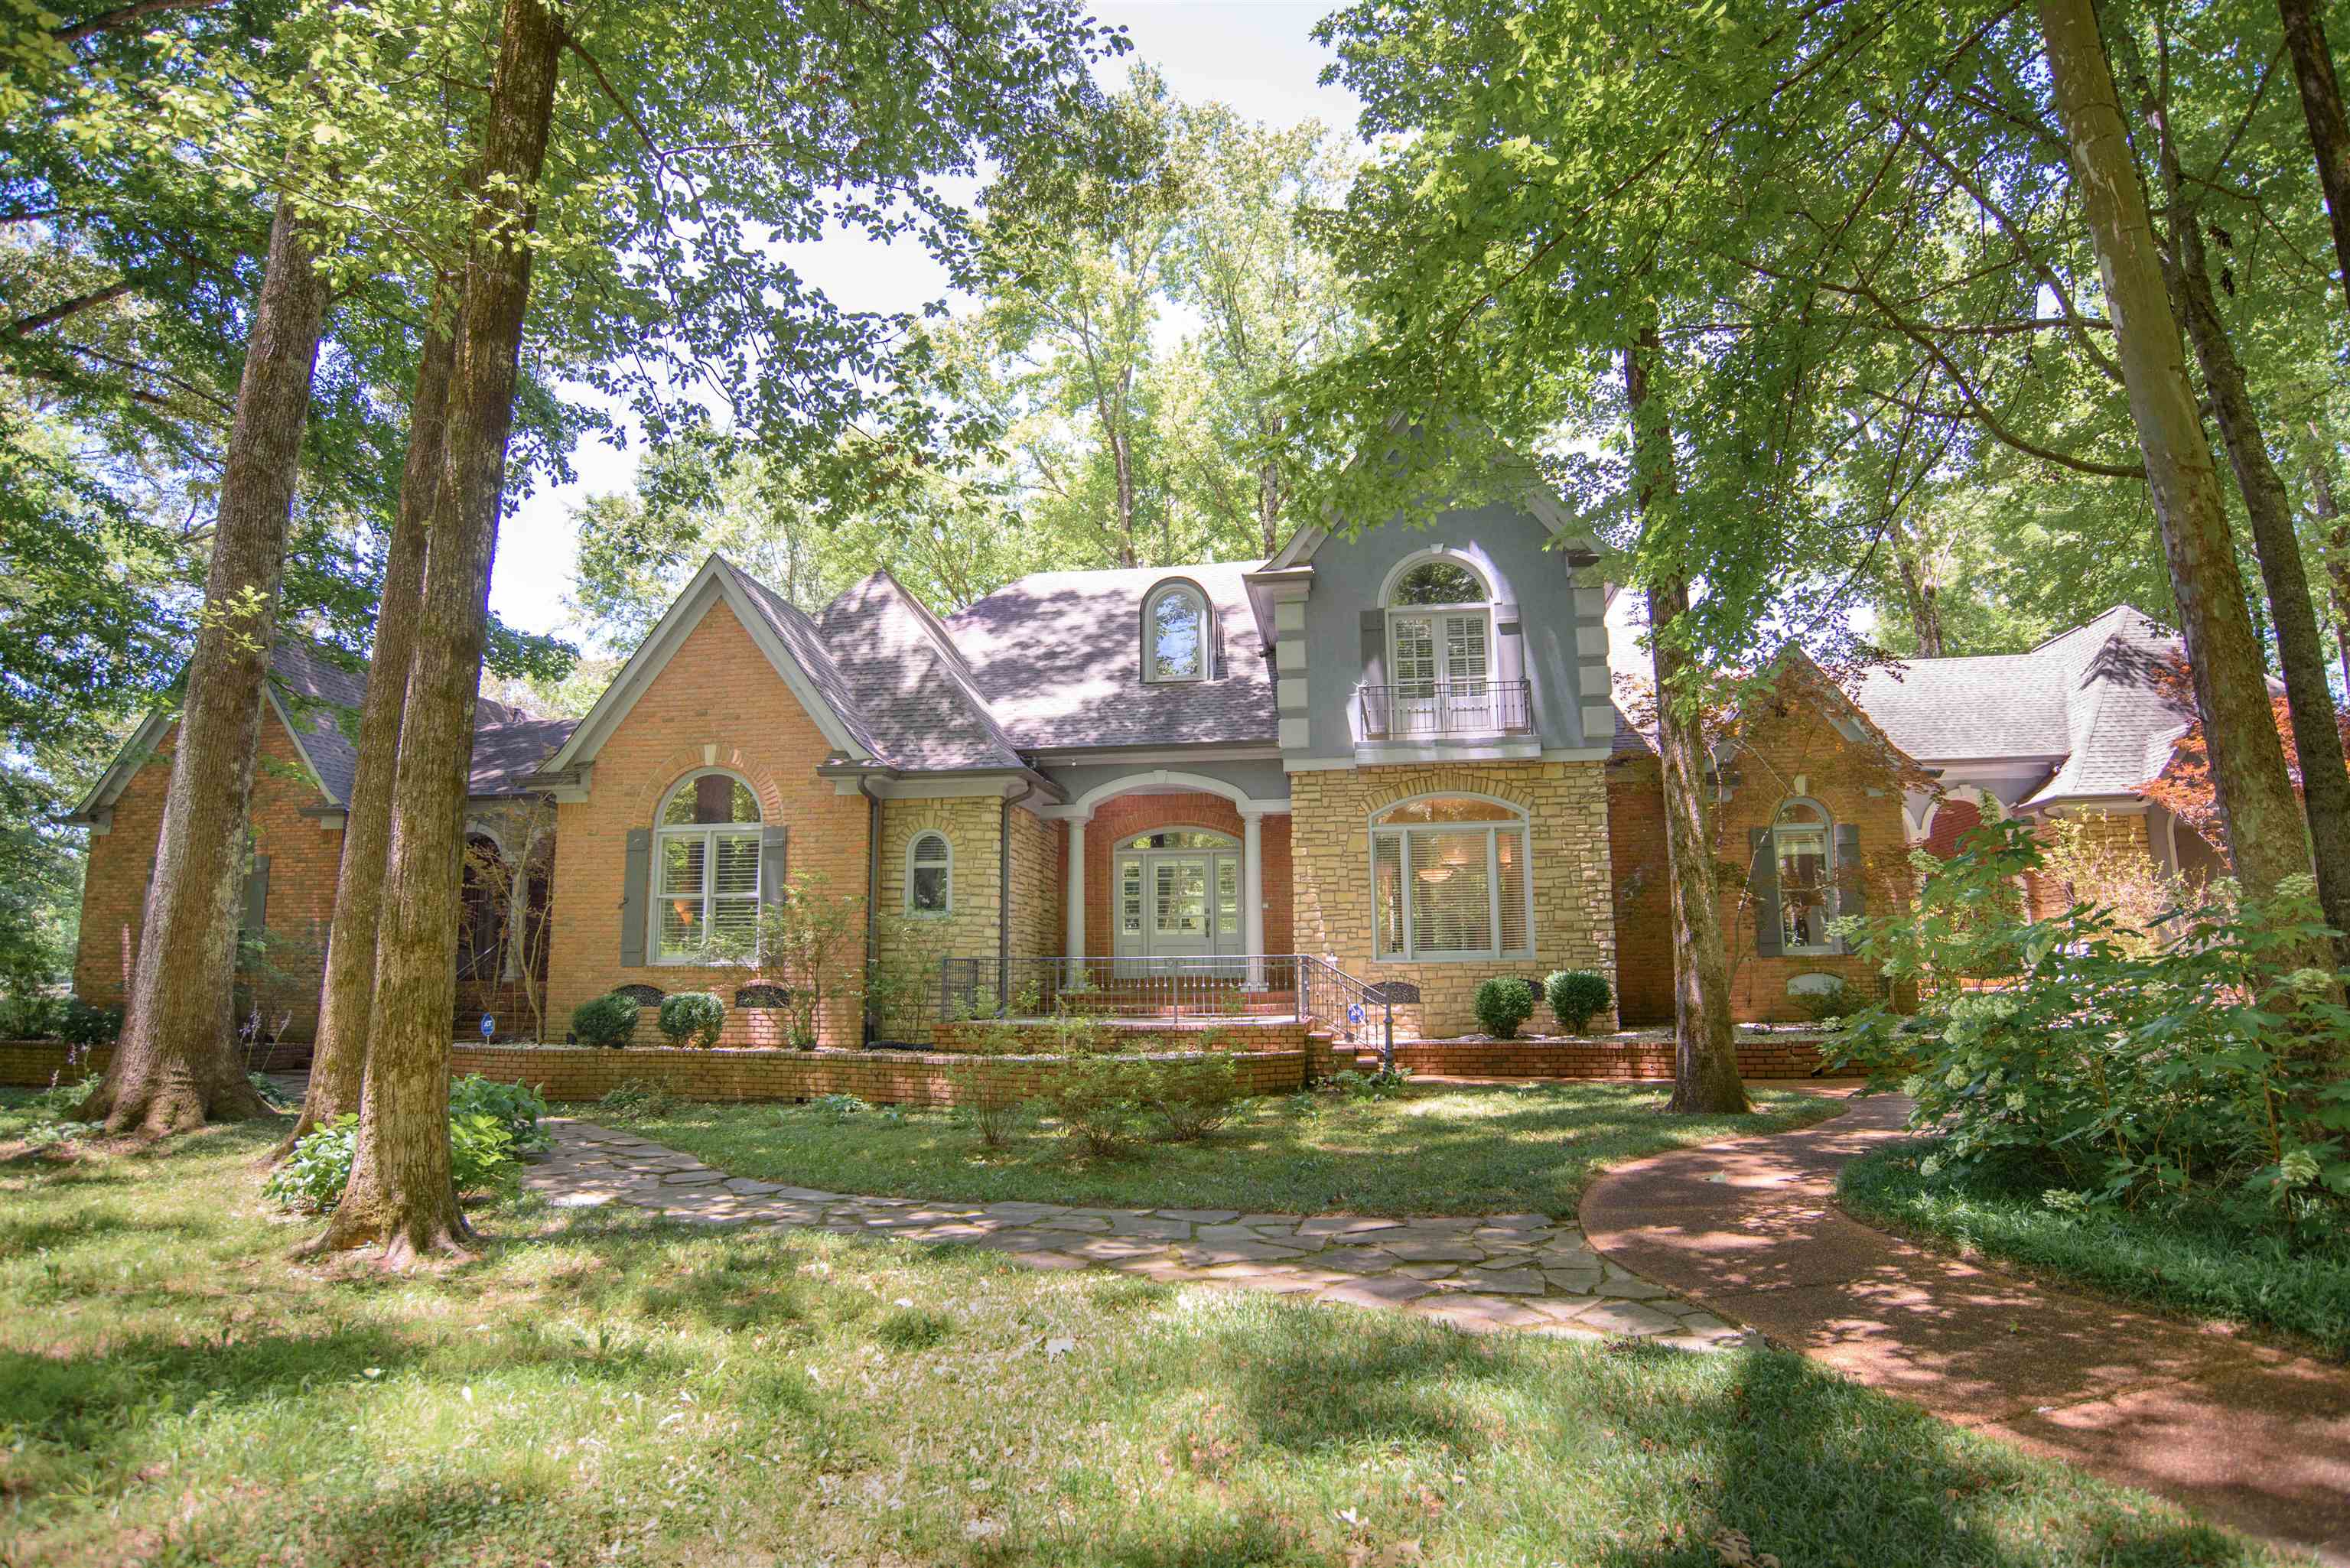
[{"x": 1255, "y": 55}]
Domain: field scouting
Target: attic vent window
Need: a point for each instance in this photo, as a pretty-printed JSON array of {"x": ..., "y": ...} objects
[{"x": 1175, "y": 640}]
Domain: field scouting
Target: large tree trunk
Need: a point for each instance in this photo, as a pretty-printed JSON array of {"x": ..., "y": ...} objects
[
  {"x": 177, "y": 1064},
  {"x": 2264, "y": 818},
  {"x": 1705, "y": 1057},
  {"x": 1920, "y": 589},
  {"x": 348, "y": 1006},
  {"x": 400, "y": 1191},
  {"x": 2301, "y": 646},
  {"x": 2320, "y": 106},
  {"x": 2320, "y": 472}
]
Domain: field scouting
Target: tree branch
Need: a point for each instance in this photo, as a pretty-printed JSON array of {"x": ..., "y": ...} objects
[{"x": 123, "y": 16}]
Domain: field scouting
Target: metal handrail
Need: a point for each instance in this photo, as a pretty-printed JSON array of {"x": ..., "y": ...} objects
[
  {"x": 1445, "y": 706},
  {"x": 1195, "y": 988}
]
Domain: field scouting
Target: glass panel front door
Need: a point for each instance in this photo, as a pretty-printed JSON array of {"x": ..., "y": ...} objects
[{"x": 1176, "y": 905}]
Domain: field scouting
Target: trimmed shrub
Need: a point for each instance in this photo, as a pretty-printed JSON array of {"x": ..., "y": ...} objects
[
  {"x": 83, "y": 1024},
  {"x": 29, "y": 1015},
  {"x": 1191, "y": 1095},
  {"x": 691, "y": 1018},
  {"x": 607, "y": 1020},
  {"x": 1502, "y": 1003},
  {"x": 1577, "y": 996},
  {"x": 1098, "y": 1100},
  {"x": 1833, "y": 1005},
  {"x": 481, "y": 1154}
]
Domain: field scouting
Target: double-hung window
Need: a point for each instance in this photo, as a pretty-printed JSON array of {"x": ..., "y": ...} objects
[
  {"x": 1800, "y": 842},
  {"x": 706, "y": 869},
  {"x": 1450, "y": 880}
]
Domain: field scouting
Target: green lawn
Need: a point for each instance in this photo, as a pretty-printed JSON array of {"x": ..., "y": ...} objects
[
  {"x": 2204, "y": 1267},
  {"x": 615, "y": 1390},
  {"x": 1462, "y": 1151}
]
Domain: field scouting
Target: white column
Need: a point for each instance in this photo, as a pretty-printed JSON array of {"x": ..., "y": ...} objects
[
  {"x": 1074, "y": 900},
  {"x": 1253, "y": 895}
]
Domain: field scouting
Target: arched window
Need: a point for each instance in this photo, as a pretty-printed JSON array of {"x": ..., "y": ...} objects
[
  {"x": 1449, "y": 879},
  {"x": 929, "y": 874},
  {"x": 1440, "y": 646},
  {"x": 1803, "y": 854},
  {"x": 1178, "y": 641},
  {"x": 706, "y": 869}
]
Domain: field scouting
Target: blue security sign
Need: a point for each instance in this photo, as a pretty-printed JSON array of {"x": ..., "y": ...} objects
[{"x": 489, "y": 1026}]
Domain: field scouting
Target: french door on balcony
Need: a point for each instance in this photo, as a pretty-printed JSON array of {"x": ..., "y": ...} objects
[{"x": 1442, "y": 673}]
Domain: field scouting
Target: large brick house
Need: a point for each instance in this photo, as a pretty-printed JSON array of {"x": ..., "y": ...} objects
[{"x": 1404, "y": 753}]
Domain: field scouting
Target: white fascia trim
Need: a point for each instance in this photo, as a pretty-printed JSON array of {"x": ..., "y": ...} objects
[
  {"x": 1386, "y": 756},
  {"x": 1165, "y": 778},
  {"x": 317, "y": 780},
  {"x": 116, "y": 777},
  {"x": 1092, "y": 759},
  {"x": 712, "y": 585},
  {"x": 1577, "y": 753}
]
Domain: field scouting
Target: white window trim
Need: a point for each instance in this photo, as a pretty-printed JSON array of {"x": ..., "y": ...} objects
[
  {"x": 657, "y": 898},
  {"x": 1151, "y": 674},
  {"x": 1826, "y": 828},
  {"x": 945, "y": 910},
  {"x": 1522, "y": 824}
]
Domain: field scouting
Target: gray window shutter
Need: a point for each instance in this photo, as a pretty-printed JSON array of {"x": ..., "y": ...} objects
[
  {"x": 636, "y": 897},
  {"x": 1375, "y": 647},
  {"x": 1850, "y": 899},
  {"x": 1762, "y": 881},
  {"x": 256, "y": 917},
  {"x": 773, "y": 863}
]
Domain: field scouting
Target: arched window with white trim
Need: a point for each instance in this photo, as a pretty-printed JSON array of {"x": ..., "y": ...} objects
[
  {"x": 1451, "y": 880},
  {"x": 706, "y": 844},
  {"x": 1443, "y": 674},
  {"x": 1178, "y": 635},
  {"x": 929, "y": 874}
]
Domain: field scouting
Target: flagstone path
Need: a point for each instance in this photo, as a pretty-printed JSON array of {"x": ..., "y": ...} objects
[{"x": 1481, "y": 1272}]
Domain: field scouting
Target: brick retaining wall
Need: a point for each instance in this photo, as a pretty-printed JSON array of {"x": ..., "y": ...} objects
[
  {"x": 38, "y": 1063},
  {"x": 1231, "y": 1034},
  {"x": 1762, "y": 1057},
  {"x": 891, "y": 1077}
]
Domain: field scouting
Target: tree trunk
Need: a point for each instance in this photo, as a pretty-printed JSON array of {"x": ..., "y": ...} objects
[
  {"x": 177, "y": 1065},
  {"x": 2337, "y": 543},
  {"x": 1705, "y": 1057},
  {"x": 2301, "y": 646},
  {"x": 400, "y": 1191},
  {"x": 2265, "y": 837},
  {"x": 1923, "y": 594},
  {"x": 1268, "y": 491},
  {"x": 2320, "y": 106},
  {"x": 347, "y": 1004}
]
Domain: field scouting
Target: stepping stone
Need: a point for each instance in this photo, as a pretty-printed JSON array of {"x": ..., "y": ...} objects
[
  {"x": 1416, "y": 1249},
  {"x": 1149, "y": 1226},
  {"x": 749, "y": 1189},
  {"x": 1227, "y": 1232},
  {"x": 695, "y": 1179},
  {"x": 1336, "y": 1226},
  {"x": 1205, "y": 1254},
  {"x": 1518, "y": 1222},
  {"x": 1201, "y": 1216},
  {"x": 1117, "y": 1249},
  {"x": 1426, "y": 1271},
  {"x": 1630, "y": 1288},
  {"x": 1097, "y": 1222},
  {"x": 1384, "y": 1291},
  {"x": 1573, "y": 1282},
  {"x": 1478, "y": 1314},
  {"x": 1359, "y": 1260},
  {"x": 1506, "y": 1282},
  {"x": 1628, "y": 1319}
]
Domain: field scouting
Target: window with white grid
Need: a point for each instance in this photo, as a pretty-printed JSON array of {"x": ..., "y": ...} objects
[
  {"x": 1449, "y": 879},
  {"x": 706, "y": 869}
]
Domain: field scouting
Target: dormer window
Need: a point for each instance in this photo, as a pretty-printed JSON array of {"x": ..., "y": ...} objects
[
  {"x": 1440, "y": 649},
  {"x": 1177, "y": 634}
]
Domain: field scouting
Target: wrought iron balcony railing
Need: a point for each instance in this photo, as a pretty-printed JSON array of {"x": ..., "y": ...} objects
[{"x": 1416, "y": 709}]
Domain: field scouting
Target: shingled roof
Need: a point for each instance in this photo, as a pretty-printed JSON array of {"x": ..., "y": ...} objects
[{"x": 321, "y": 696}]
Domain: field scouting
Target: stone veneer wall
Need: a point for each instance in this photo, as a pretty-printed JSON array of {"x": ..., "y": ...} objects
[
  {"x": 719, "y": 703},
  {"x": 1575, "y": 924},
  {"x": 305, "y": 858},
  {"x": 1037, "y": 885},
  {"x": 970, "y": 825},
  {"x": 893, "y": 1077}
]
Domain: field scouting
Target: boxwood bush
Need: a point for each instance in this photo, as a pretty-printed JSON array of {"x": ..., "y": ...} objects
[
  {"x": 1502, "y": 1003},
  {"x": 1577, "y": 996},
  {"x": 607, "y": 1020},
  {"x": 692, "y": 1018}
]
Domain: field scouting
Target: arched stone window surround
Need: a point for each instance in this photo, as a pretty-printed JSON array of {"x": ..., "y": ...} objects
[{"x": 1147, "y": 639}]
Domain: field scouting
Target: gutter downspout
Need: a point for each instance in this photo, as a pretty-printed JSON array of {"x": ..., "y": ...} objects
[
  {"x": 872, "y": 895},
  {"x": 1004, "y": 902}
]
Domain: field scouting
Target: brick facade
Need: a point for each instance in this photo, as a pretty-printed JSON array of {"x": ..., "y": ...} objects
[
  {"x": 1854, "y": 783},
  {"x": 717, "y": 703},
  {"x": 304, "y": 859},
  {"x": 1573, "y": 926}
]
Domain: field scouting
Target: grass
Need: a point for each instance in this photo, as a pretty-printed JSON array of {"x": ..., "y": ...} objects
[
  {"x": 616, "y": 1390},
  {"x": 2202, "y": 1266},
  {"x": 1530, "y": 1150}
]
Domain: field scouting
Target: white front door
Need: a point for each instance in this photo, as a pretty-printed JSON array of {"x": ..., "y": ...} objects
[{"x": 1176, "y": 906}]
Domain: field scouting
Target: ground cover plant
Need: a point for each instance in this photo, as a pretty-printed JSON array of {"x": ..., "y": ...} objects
[
  {"x": 2200, "y": 1264},
  {"x": 611, "y": 1389},
  {"x": 1462, "y": 1151}
]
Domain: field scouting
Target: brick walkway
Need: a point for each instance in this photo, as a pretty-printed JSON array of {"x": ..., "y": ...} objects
[
  {"x": 2255, "y": 1436},
  {"x": 1506, "y": 1271}
]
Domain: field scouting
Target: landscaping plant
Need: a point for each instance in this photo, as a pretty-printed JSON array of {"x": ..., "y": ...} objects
[
  {"x": 516, "y": 1107},
  {"x": 1577, "y": 996},
  {"x": 1191, "y": 1096},
  {"x": 2206, "y": 1068},
  {"x": 803, "y": 944},
  {"x": 607, "y": 1020},
  {"x": 691, "y": 1018},
  {"x": 1502, "y": 1003},
  {"x": 312, "y": 1178},
  {"x": 82, "y": 1023},
  {"x": 635, "y": 1099},
  {"x": 989, "y": 1091},
  {"x": 1100, "y": 1101}
]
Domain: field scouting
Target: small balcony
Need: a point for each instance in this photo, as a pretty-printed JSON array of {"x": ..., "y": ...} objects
[{"x": 1435, "y": 710}]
